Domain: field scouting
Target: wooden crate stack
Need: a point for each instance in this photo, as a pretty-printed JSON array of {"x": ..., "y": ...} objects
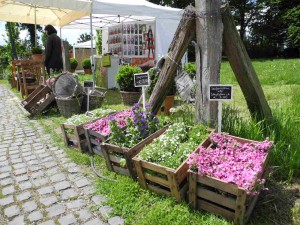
[
  {"x": 221, "y": 198},
  {"x": 114, "y": 154}
]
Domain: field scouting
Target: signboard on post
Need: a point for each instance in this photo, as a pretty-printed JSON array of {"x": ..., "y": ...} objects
[
  {"x": 88, "y": 84},
  {"x": 220, "y": 93},
  {"x": 142, "y": 80}
]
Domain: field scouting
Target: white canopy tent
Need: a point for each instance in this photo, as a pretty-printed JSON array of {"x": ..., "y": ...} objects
[{"x": 107, "y": 13}]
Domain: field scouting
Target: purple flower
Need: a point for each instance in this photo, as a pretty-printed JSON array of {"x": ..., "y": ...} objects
[
  {"x": 111, "y": 117},
  {"x": 147, "y": 106}
]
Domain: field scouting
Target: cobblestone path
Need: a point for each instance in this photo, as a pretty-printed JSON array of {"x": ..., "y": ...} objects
[{"x": 38, "y": 183}]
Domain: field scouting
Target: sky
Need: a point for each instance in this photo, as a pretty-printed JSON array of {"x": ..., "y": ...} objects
[{"x": 70, "y": 34}]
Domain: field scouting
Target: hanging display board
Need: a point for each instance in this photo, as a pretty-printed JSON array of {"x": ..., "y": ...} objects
[{"x": 135, "y": 40}]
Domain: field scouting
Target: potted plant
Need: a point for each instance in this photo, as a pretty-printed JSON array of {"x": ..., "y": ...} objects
[
  {"x": 37, "y": 53},
  {"x": 169, "y": 100},
  {"x": 73, "y": 63},
  {"x": 86, "y": 65},
  {"x": 125, "y": 79}
]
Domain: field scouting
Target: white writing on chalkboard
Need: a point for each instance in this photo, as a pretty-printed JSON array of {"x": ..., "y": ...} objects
[
  {"x": 220, "y": 92},
  {"x": 141, "y": 79}
]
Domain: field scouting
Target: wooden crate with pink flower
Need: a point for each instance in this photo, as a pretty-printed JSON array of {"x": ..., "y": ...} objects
[
  {"x": 123, "y": 145},
  {"x": 98, "y": 131},
  {"x": 73, "y": 128},
  {"x": 226, "y": 178},
  {"x": 161, "y": 166}
]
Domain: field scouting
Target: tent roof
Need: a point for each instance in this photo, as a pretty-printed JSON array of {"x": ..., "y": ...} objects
[
  {"x": 111, "y": 12},
  {"x": 55, "y": 12}
]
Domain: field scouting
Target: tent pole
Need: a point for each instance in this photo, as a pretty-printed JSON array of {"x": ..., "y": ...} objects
[
  {"x": 92, "y": 47},
  {"x": 35, "y": 35}
]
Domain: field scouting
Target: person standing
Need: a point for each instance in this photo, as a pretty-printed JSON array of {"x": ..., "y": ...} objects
[{"x": 53, "y": 51}]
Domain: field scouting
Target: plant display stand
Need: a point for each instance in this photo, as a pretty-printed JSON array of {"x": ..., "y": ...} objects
[
  {"x": 221, "y": 198},
  {"x": 113, "y": 155},
  {"x": 164, "y": 180},
  {"x": 41, "y": 98},
  {"x": 74, "y": 135}
]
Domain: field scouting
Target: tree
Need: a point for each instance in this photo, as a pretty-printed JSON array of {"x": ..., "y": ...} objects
[
  {"x": 83, "y": 38},
  {"x": 14, "y": 44},
  {"x": 292, "y": 17},
  {"x": 31, "y": 31},
  {"x": 99, "y": 41}
]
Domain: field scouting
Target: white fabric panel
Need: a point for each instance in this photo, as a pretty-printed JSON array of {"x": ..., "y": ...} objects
[{"x": 165, "y": 29}]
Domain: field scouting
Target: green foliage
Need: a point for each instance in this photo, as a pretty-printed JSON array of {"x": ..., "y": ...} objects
[
  {"x": 154, "y": 74},
  {"x": 84, "y": 38},
  {"x": 99, "y": 41},
  {"x": 86, "y": 63},
  {"x": 36, "y": 50},
  {"x": 74, "y": 63},
  {"x": 190, "y": 68},
  {"x": 292, "y": 16},
  {"x": 177, "y": 143},
  {"x": 125, "y": 78}
]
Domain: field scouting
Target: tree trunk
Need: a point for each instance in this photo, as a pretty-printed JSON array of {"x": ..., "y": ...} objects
[
  {"x": 14, "y": 55},
  {"x": 209, "y": 29},
  {"x": 181, "y": 40},
  {"x": 243, "y": 69}
]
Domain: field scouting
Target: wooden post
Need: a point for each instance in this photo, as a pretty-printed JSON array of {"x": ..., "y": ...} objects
[
  {"x": 209, "y": 29},
  {"x": 243, "y": 69},
  {"x": 181, "y": 40}
]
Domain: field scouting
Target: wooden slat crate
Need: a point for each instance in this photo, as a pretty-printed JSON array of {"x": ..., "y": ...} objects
[
  {"x": 221, "y": 198},
  {"x": 78, "y": 138},
  {"x": 94, "y": 140},
  {"x": 41, "y": 98},
  {"x": 164, "y": 180},
  {"x": 114, "y": 154}
]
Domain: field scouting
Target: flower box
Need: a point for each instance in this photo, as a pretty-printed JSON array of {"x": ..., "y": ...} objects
[
  {"x": 162, "y": 179},
  {"x": 76, "y": 138},
  {"x": 222, "y": 198},
  {"x": 93, "y": 135},
  {"x": 114, "y": 155},
  {"x": 74, "y": 135}
]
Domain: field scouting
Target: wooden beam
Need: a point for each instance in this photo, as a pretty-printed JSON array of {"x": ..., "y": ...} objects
[
  {"x": 181, "y": 40},
  {"x": 243, "y": 69},
  {"x": 209, "y": 29}
]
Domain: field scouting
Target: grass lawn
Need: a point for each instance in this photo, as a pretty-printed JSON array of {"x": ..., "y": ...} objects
[{"x": 281, "y": 83}]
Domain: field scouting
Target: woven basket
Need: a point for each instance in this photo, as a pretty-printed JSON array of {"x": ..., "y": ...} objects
[
  {"x": 95, "y": 101},
  {"x": 129, "y": 98},
  {"x": 69, "y": 107}
]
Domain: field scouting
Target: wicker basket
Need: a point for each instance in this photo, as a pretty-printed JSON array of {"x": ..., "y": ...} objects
[
  {"x": 95, "y": 101},
  {"x": 69, "y": 107},
  {"x": 129, "y": 98}
]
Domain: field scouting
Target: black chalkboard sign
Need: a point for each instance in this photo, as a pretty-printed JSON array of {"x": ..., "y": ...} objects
[
  {"x": 220, "y": 92},
  {"x": 88, "y": 84},
  {"x": 141, "y": 79}
]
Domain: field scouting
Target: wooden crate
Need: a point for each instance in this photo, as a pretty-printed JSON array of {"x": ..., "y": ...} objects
[
  {"x": 94, "y": 141},
  {"x": 40, "y": 99},
  {"x": 221, "y": 198},
  {"x": 78, "y": 138},
  {"x": 114, "y": 154},
  {"x": 164, "y": 180}
]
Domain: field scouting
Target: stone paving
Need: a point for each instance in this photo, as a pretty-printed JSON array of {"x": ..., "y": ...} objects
[{"x": 38, "y": 183}]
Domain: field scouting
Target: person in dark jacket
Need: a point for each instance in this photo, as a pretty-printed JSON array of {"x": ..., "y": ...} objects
[{"x": 53, "y": 50}]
